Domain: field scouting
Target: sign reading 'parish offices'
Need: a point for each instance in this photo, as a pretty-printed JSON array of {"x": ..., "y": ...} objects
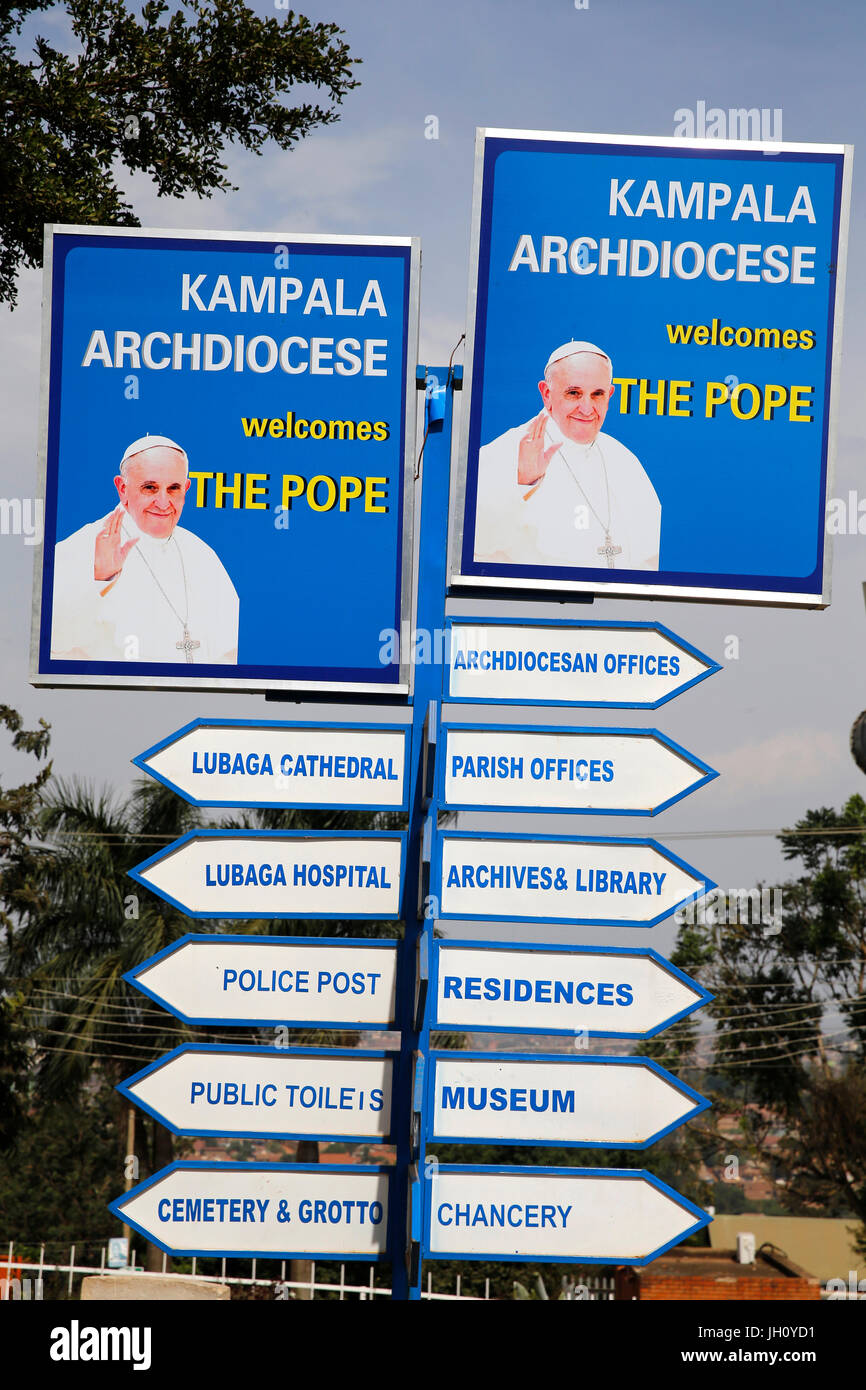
[
  {"x": 223, "y": 438},
  {"x": 653, "y": 326}
]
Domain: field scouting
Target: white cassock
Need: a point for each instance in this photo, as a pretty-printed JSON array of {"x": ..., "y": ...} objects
[
  {"x": 587, "y": 494},
  {"x": 164, "y": 585}
]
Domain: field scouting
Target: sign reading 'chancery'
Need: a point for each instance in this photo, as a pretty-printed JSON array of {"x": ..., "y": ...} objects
[{"x": 602, "y": 1216}]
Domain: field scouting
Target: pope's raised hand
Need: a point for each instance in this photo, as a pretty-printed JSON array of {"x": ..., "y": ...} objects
[
  {"x": 532, "y": 457},
  {"x": 111, "y": 551}
]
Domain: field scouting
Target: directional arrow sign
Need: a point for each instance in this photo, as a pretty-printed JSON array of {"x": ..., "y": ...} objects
[
  {"x": 596, "y": 1102},
  {"x": 279, "y": 873},
  {"x": 556, "y": 878},
  {"x": 588, "y": 1215},
  {"x": 229, "y": 762},
  {"x": 600, "y": 991},
  {"x": 531, "y": 662},
  {"x": 609, "y": 772},
  {"x": 261, "y": 1209},
  {"x": 268, "y": 1092},
  {"x": 295, "y": 981}
]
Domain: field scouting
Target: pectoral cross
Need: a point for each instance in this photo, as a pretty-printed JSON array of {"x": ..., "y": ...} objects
[
  {"x": 610, "y": 550},
  {"x": 187, "y": 646}
]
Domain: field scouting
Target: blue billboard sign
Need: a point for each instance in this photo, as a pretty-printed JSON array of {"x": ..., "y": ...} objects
[
  {"x": 224, "y": 459},
  {"x": 652, "y": 331}
]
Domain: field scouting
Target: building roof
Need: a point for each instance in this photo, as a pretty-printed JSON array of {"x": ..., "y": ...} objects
[
  {"x": 822, "y": 1245},
  {"x": 718, "y": 1264}
]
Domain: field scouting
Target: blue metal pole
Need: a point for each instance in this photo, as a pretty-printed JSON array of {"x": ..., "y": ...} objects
[{"x": 440, "y": 385}]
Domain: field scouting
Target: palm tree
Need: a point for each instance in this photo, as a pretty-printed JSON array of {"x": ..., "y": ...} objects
[{"x": 87, "y": 928}]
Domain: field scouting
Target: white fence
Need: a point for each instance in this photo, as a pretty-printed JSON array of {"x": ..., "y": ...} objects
[{"x": 27, "y": 1281}]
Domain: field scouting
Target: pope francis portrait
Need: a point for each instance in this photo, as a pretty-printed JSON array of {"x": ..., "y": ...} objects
[
  {"x": 136, "y": 586},
  {"x": 557, "y": 491}
]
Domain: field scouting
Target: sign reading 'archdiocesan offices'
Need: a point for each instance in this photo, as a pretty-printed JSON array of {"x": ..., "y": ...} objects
[
  {"x": 548, "y": 878},
  {"x": 230, "y": 762},
  {"x": 614, "y": 665},
  {"x": 279, "y": 873},
  {"x": 317, "y": 982}
]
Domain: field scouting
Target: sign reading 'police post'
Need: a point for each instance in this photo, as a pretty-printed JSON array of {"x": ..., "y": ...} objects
[
  {"x": 267, "y": 1092},
  {"x": 260, "y": 1209},
  {"x": 537, "y": 661},
  {"x": 227, "y": 762},
  {"x": 586, "y": 771},
  {"x": 600, "y": 991},
  {"x": 225, "y": 435},
  {"x": 652, "y": 332},
  {"x": 556, "y": 878},
  {"x": 279, "y": 873},
  {"x": 594, "y": 1102},
  {"x": 296, "y": 981}
]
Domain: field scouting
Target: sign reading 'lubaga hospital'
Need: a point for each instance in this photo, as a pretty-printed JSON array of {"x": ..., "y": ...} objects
[{"x": 258, "y": 873}]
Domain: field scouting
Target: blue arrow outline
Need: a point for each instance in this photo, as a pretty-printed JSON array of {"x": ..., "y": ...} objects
[
  {"x": 614, "y": 1174},
  {"x": 208, "y": 1166},
  {"x": 234, "y": 939},
  {"x": 492, "y": 1059},
  {"x": 646, "y": 952},
  {"x": 566, "y": 623},
  {"x": 328, "y": 1053},
  {"x": 141, "y": 761},
  {"x": 708, "y": 773},
  {"x": 704, "y": 884},
  {"x": 231, "y": 835}
]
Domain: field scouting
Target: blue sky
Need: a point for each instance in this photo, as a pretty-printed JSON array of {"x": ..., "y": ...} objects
[{"x": 775, "y": 722}]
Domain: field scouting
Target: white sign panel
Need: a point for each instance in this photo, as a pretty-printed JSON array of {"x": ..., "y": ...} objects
[
  {"x": 261, "y": 1209},
  {"x": 640, "y": 665},
  {"x": 616, "y": 1102},
  {"x": 259, "y": 873},
  {"x": 229, "y": 763},
  {"x": 264, "y": 1091},
  {"x": 606, "y": 771},
  {"x": 603, "y": 991},
  {"x": 596, "y": 1215},
  {"x": 547, "y": 879},
  {"x": 251, "y": 980}
]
